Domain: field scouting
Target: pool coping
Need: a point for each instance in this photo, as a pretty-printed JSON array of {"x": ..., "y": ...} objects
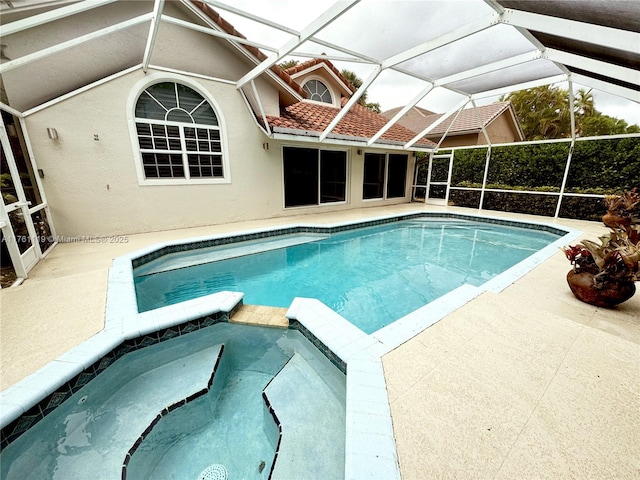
[{"x": 370, "y": 443}]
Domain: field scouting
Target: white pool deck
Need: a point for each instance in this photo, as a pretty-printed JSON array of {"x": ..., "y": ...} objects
[{"x": 523, "y": 381}]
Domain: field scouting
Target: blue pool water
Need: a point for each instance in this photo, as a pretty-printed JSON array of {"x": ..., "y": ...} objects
[
  {"x": 371, "y": 276},
  {"x": 89, "y": 435}
]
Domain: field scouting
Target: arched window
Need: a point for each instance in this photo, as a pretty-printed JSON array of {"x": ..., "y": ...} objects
[
  {"x": 178, "y": 133},
  {"x": 317, "y": 91}
]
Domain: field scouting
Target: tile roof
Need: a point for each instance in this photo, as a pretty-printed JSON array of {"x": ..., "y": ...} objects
[
  {"x": 466, "y": 122},
  {"x": 359, "y": 122},
  {"x": 414, "y": 111},
  {"x": 468, "y": 119},
  {"x": 315, "y": 61},
  {"x": 230, "y": 29}
]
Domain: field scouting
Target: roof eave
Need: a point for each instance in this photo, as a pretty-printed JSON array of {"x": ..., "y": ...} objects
[{"x": 313, "y": 136}]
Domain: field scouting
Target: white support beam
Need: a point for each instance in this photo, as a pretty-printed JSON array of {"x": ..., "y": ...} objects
[
  {"x": 495, "y": 5},
  {"x": 153, "y": 33},
  {"x": 572, "y": 112},
  {"x": 446, "y": 132},
  {"x": 5, "y": 67},
  {"x": 11, "y": 110},
  {"x": 333, "y": 58},
  {"x": 57, "y": 14},
  {"x": 623, "y": 40},
  {"x": 458, "y": 106},
  {"x": 442, "y": 40},
  {"x": 255, "y": 18},
  {"x": 607, "y": 87},
  {"x": 308, "y": 32},
  {"x": 400, "y": 114},
  {"x": 599, "y": 67},
  {"x": 352, "y": 101},
  {"x": 519, "y": 86},
  {"x": 481, "y": 123},
  {"x": 491, "y": 67},
  {"x": 216, "y": 33},
  {"x": 260, "y": 107}
]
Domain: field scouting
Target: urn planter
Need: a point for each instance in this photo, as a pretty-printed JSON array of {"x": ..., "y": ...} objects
[{"x": 607, "y": 295}]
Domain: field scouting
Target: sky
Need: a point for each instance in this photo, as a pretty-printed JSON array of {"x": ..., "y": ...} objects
[{"x": 382, "y": 28}]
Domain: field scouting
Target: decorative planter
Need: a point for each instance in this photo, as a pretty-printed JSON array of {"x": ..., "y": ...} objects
[{"x": 583, "y": 287}]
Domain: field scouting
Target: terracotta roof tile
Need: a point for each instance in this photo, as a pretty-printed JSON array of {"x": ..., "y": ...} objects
[{"x": 358, "y": 122}]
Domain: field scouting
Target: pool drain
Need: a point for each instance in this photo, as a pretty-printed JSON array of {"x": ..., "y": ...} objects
[{"x": 213, "y": 472}]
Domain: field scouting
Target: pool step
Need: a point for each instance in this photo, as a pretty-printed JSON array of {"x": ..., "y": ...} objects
[
  {"x": 261, "y": 315},
  {"x": 312, "y": 419}
]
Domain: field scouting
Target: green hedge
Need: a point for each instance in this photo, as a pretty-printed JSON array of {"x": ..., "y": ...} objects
[{"x": 597, "y": 167}]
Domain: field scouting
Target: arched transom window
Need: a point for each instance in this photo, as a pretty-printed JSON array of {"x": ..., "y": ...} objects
[
  {"x": 317, "y": 91},
  {"x": 178, "y": 133}
]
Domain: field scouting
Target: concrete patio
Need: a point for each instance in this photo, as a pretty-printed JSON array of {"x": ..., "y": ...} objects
[{"x": 527, "y": 383}]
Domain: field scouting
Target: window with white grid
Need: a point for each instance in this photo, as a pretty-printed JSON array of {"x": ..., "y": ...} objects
[{"x": 178, "y": 134}]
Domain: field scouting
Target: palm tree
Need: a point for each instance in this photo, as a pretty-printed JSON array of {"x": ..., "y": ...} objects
[
  {"x": 357, "y": 83},
  {"x": 543, "y": 112},
  {"x": 584, "y": 108}
]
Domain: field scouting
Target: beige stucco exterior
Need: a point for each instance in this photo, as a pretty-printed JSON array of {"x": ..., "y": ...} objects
[
  {"x": 92, "y": 176},
  {"x": 93, "y": 189}
]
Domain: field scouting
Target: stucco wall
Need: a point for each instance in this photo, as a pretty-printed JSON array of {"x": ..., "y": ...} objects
[
  {"x": 502, "y": 130},
  {"x": 462, "y": 140},
  {"x": 92, "y": 186},
  {"x": 93, "y": 189}
]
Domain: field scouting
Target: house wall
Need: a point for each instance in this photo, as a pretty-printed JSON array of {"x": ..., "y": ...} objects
[
  {"x": 93, "y": 189},
  {"x": 502, "y": 130},
  {"x": 190, "y": 51},
  {"x": 461, "y": 140},
  {"x": 90, "y": 171}
]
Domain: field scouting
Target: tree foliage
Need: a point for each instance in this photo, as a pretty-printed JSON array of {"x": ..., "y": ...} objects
[
  {"x": 357, "y": 83},
  {"x": 544, "y": 113},
  {"x": 288, "y": 64}
]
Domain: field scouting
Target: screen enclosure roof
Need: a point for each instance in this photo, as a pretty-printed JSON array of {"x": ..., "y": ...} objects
[{"x": 463, "y": 51}]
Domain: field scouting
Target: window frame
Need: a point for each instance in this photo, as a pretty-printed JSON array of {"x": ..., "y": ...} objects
[
  {"x": 324, "y": 83},
  {"x": 138, "y": 152},
  {"x": 384, "y": 187},
  {"x": 319, "y": 178}
]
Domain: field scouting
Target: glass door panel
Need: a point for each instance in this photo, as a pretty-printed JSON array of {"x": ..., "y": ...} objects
[
  {"x": 20, "y": 230},
  {"x": 22, "y": 162},
  {"x": 27, "y": 229},
  {"x": 44, "y": 235}
]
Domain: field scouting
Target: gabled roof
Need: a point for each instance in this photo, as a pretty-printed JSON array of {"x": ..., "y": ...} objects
[
  {"x": 466, "y": 122},
  {"x": 301, "y": 67},
  {"x": 307, "y": 118}
]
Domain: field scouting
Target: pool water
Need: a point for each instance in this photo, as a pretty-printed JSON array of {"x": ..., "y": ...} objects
[
  {"x": 89, "y": 435},
  {"x": 371, "y": 276}
]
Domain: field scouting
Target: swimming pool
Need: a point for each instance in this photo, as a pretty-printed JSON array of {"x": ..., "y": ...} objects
[
  {"x": 371, "y": 276},
  {"x": 369, "y": 443},
  {"x": 93, "y": 433}
]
